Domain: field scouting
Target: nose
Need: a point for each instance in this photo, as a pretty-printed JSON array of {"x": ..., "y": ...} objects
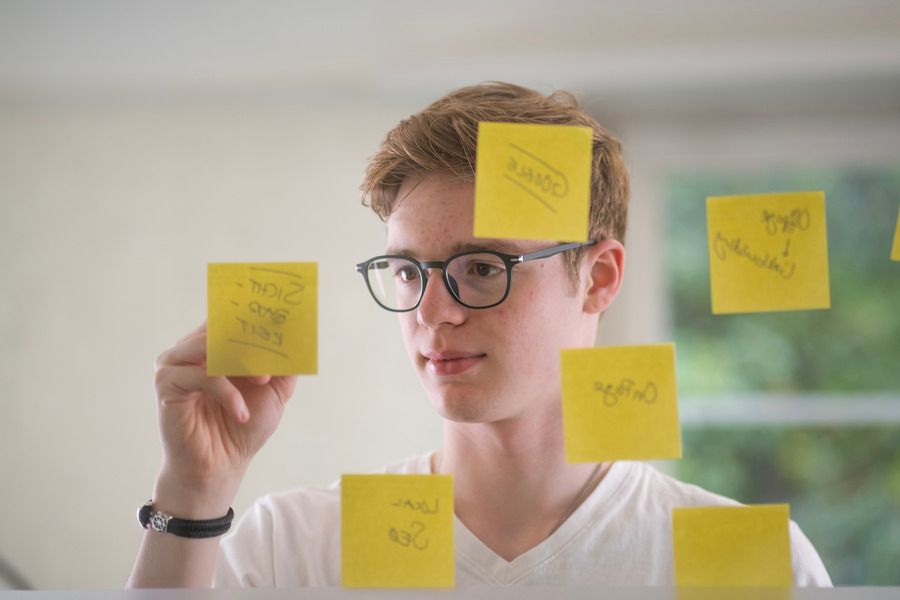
[{"x": 438, "y": 307}]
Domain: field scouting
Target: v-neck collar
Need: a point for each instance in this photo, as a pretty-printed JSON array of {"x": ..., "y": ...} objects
[{"x": 494, "y": 569}]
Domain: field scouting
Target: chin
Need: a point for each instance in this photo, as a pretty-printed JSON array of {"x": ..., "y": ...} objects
[{"x": 461, "y": 407}]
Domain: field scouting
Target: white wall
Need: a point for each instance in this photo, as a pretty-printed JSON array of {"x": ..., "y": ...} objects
[{"x": 109, "y": 215}]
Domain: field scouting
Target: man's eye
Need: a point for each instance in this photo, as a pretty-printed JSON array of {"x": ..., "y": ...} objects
[
  {"x": 483, "y": 269},
  {"x": 407, "y": 274}
]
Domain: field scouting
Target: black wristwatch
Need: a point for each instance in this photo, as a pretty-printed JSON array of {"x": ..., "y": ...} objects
[{"x": 163, "y": 523}]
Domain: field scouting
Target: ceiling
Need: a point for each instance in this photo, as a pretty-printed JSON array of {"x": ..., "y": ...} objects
[{"x": 639, "y": 51}]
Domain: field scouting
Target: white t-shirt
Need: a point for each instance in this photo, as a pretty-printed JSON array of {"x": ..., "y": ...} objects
[{"x": 620, "y": 535}]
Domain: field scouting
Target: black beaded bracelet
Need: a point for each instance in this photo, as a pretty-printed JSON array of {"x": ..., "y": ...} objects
[{"x": 163, "y": 523}]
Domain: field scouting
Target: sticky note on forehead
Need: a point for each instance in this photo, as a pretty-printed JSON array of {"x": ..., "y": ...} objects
[
  {"x": 620, "y": 403},
  {"x": 768, "y": 252},
  {"x": 263, "y": 319},
  {"x": 532, "y": 181},
  {"x": 397, "y": 531},
  {"x": 732, "y": 546}
]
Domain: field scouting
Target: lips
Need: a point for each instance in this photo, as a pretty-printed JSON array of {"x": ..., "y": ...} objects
[{"x": 451, "y": 362}]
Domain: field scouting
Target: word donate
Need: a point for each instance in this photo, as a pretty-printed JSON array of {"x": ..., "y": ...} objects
[
  {"x": 262, "y": 318},
  {"x": 397, "y": 531},
  {"x": 768, "y": 252},
  {"x": 620, "y": 403},
  {"x": 532, "y": 181}
]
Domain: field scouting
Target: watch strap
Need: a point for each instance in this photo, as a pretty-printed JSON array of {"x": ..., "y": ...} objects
[{"x": 163, "y": 523}]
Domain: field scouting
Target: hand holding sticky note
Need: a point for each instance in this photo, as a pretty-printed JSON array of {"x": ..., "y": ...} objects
[
  {"x": 397, "y": 531},
  {"x": 532, "y": 181},
  {"x": 620, "y": 403},
  {"x": 768, "y": 252},
  {"x": 732, "y": 546},
  {"x": 263, "y": 319}
]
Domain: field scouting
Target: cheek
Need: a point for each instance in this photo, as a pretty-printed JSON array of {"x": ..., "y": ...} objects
[{"x": 407, "y": 329}]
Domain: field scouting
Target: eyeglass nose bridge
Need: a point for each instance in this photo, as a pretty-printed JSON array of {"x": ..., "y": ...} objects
[{"x": 449, "y": 282}]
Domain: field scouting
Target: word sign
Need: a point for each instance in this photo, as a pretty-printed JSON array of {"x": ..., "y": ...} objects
[
  {"x": 263, "y": 319},
  {"x": 532, "y": 181},
  {"x": 768, "y": 252},
  {"x": 620, "y": 403},
  {"x": 397, "y": 531}
]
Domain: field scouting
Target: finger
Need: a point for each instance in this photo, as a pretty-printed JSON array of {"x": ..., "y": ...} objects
[
  {"x": 190, "y": 351},
  {"x": 200, "y": 329},
  {"x": 176, "y": 383},
  {"x": 258, "y": 380},
  {"x": 284, "y": 387}
]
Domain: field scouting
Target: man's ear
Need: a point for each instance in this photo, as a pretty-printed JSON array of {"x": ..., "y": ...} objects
[{"x": 602, "y": 268}]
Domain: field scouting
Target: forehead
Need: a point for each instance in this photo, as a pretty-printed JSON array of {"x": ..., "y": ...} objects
[{"x": 434, "y": 216}]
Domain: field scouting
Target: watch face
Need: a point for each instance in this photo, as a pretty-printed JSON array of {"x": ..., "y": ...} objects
[{"x": 158, "y": 522}]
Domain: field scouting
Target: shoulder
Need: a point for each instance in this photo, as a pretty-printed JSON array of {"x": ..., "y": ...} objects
[
  {"x": 282, "y": 530},
  {"x": 412, "y": 465},
  {"x": 654, "y": 490},
  {"x": 296, "y": 508},
  {"x": 278, "y": 532},
  {"x": 654, "y": 493}
]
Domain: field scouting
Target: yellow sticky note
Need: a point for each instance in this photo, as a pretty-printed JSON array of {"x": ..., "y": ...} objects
[
  {"x": 263, "y": 319},
  {"x": 768, "y": 252},
  {"x": 620, "y": 403},
  {"x": 397, "y": 531},
  {"x": 732, "y": 546},
  {"x": 532, "y": 181},
  {"x": 895, "y": 251}
]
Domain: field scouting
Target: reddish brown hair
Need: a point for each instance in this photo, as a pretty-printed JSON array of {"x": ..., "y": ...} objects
[{"x": 444, "y": 137}]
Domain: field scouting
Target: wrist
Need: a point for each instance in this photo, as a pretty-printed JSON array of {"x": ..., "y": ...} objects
[
  {"x": 160, "y": 522},
  {"x": 194, "y": 497}
]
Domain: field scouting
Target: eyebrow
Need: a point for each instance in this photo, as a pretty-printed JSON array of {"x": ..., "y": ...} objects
[{"x": 504, "y": 246}]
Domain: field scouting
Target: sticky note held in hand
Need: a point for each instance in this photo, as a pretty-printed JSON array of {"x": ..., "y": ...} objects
[
  {"x": 732, "y": 546},
  {"x": 397, "y": 531},
  {"x": 620, "y": 403},
  {"x": 768, "y": 252},
  {"x": 532, "y": 181},
  {"x": 263, "y": 319}
]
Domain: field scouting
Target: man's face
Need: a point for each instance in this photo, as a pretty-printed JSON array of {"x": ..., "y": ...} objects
[{"x": 492, "y": 364}]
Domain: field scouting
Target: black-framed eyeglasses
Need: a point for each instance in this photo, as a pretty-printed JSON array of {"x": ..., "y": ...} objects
[{"x": 476, "y": 279}]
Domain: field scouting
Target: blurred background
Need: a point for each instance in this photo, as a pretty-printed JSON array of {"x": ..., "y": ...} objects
[{"x": 141, "y": 140}]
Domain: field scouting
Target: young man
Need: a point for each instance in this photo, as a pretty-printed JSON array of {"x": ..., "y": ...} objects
[{"x": 484, "y": 332}]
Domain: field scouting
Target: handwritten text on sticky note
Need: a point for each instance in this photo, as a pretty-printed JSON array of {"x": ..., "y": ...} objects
[
  {"x": 732, "y": 546},
  {"x": 620, "y": 403},
  {"x": 768, "y": 252},
  {"x": 263, "y": 318},
  {"x": 397, "y": 531},
  {"x": 895, "y": 251},
  {"x": 532, "y": 181}
]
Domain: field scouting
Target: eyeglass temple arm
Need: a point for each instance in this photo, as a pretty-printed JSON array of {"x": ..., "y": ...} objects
[
  {"x": 554, "y": 250},
  {"x": 378, "y": 265}
]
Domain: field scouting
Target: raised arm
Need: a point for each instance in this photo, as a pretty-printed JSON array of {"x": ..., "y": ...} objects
[{"x": 211, "y": 427}]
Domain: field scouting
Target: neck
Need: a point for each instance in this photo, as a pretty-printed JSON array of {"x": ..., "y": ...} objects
[{"x": 512, "y": 484}]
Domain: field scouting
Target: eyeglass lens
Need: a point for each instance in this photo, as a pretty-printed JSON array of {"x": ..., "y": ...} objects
[{"x": 476, "y": 279}]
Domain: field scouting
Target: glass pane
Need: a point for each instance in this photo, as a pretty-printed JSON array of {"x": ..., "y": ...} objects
[
  {"x": 853, "y": 346},
  {"x": 842, "y": 480},
  {"x": 843, "y": 485}
]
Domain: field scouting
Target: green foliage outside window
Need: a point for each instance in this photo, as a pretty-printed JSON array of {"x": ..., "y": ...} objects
[{"x": 843, "y": 480}]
